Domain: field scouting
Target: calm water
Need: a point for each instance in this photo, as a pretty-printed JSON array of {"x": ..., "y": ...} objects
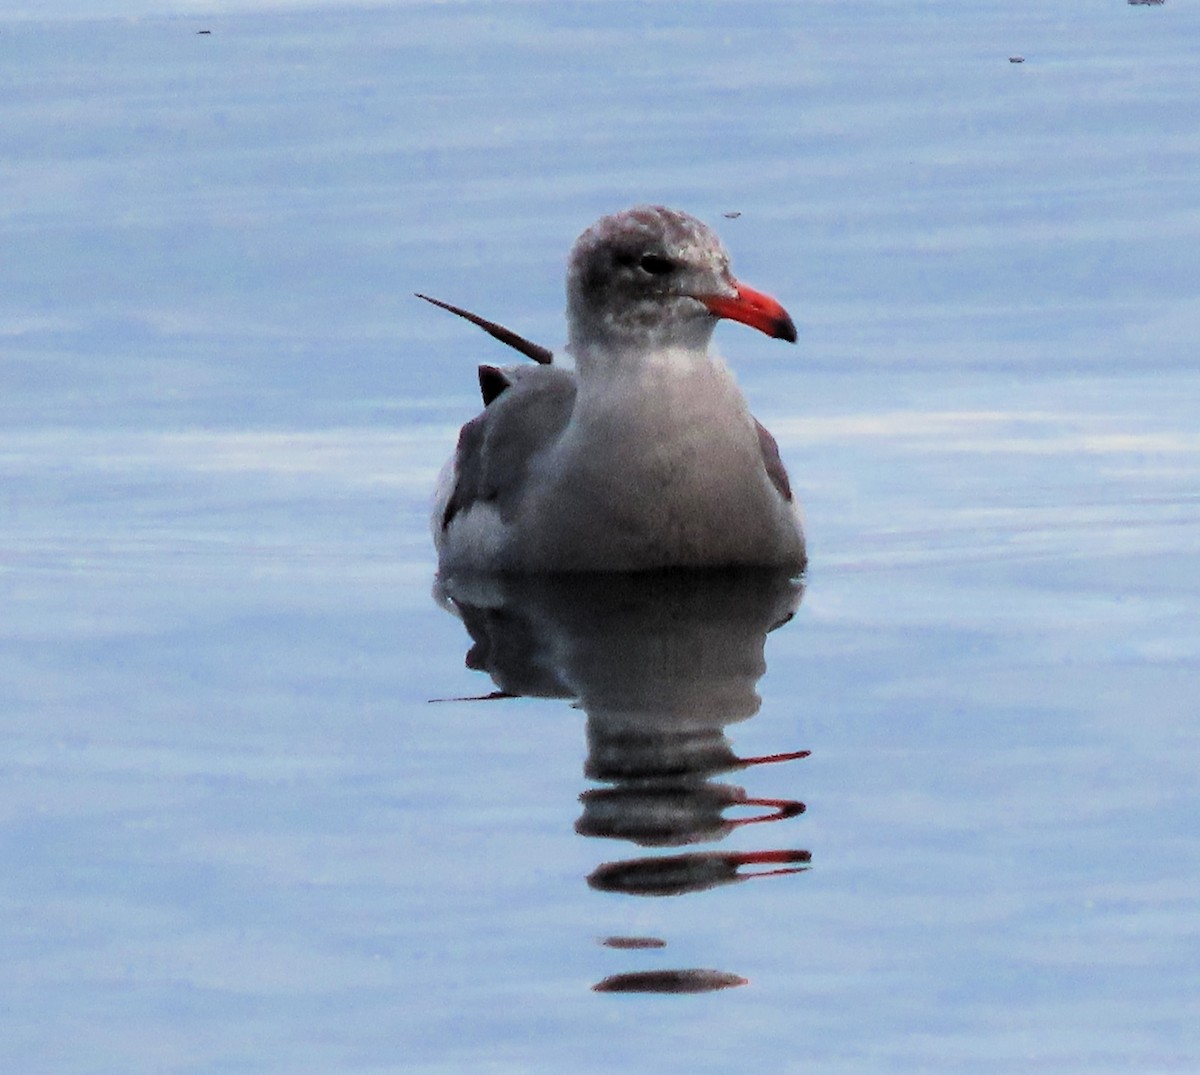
[{"x": 272, "y": 804}]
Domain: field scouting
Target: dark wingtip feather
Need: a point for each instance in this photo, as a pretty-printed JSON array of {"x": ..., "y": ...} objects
[
  {"x": 492, "y": 381},
  {"x": 528, "y": 348}
]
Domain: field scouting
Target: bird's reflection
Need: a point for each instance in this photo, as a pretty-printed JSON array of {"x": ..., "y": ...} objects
[
  {"x": 673, "y": 811},
  {"x": 661, "y": 664},
  {"x": 673, "y": 875}
]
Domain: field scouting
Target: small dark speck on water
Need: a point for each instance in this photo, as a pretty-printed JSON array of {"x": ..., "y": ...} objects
[
  {"x": 1146, "y": 3},
  {"x": 1016, "y": 59},
  {"x": 198, "y": 32},
  {"x": 733, "y": 215}
]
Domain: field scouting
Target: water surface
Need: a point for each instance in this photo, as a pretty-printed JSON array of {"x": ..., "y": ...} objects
[{"x": 943, "y": 818}]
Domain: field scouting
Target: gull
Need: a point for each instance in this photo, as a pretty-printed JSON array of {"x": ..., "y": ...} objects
[{"x": 645, "y": 456}]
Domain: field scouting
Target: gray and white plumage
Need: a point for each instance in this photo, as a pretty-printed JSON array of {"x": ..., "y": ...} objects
[{"x": 645, "y": 455}]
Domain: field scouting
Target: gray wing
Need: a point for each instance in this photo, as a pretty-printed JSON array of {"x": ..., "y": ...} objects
[
  {"x": 772, "y": 462},
  {"x": 527, "y": 408}
]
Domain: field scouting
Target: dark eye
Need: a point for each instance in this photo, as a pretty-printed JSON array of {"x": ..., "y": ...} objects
[{"x": 657, "y": 264}]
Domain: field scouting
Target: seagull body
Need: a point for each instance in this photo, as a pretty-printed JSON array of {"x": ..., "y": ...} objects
[{"x": 645, "y": 456}]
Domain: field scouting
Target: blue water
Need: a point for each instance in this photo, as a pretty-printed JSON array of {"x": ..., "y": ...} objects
[{"x": 258, "y": 814}]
